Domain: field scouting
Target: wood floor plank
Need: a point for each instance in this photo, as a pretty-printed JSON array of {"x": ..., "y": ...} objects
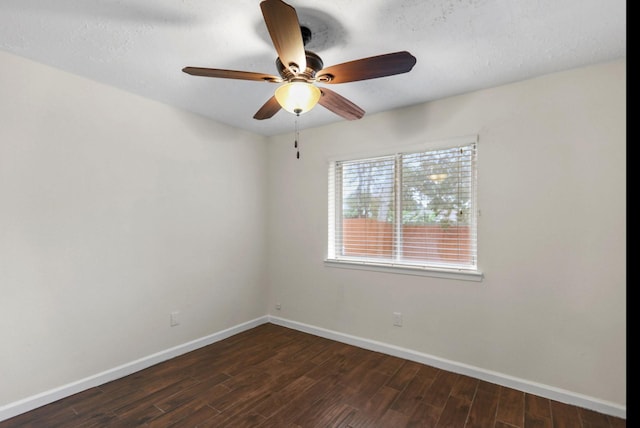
[
  {"x": 483, "y": 409},
  {"x": 413, "y": 394},
  {"x": 140, "y": 415},
  {"x": 96, "y": 420},
  {"x": 439, "y": 391},
  {"x": 390, "y": 364},
  {"x": 148, "y": 399},
  {"x": 391, "y": 418},
  {"x": 455, "y": 413},
  {"x": 488, "y": 387},
  {"x": 532, "y": 421},
  {"x": 239, "y": 420},
  {"x": 366, "y": 365},
  {"x": 591, "y": 419},
  {"x": 343, "y": 417},
  {"x": 282, "y": 372},
  {"x": 404, "y": 375},
  {"x": 537, "y": 406},
  {"x": 617, "y": 422},
  {"x": 273, "y": 402},
  {"x": 240, "y": 394},
  {"x": 191, "y": 413},
  {"x": 241, "y": 409},
  {"x": 500, "y": 424},
  {"x": 465, "y": 388},
  {"x": 275, "y": 377},
  {"x": 364, "y": 388},
  {"x": 537, "y": 412},
  {"x": 375, "y": 407},
  {"x": 564, "y": 415},
  {"x": 113, "y": 400},
  {"x": 511, "y": 407},
  {"x": 290, "y": 412},
  {"x": 324, "y": 411},
  {"x": 333, "y": 349},
  {"x": 91, "y": 399},
  {"x": 424, "y": 416},
  {"x": 205, "y": 390}
]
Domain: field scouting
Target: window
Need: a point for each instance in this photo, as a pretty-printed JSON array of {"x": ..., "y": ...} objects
[{"x": 415, "y": 209}]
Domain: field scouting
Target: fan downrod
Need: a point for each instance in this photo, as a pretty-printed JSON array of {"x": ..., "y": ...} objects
[{"x": 306, "y": 34}]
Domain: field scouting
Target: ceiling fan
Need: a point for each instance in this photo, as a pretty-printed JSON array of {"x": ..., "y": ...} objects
[{"x": 299, "y": 69}]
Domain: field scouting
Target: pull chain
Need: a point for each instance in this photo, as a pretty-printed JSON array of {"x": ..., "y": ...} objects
[{"x": 297, "y": 137}]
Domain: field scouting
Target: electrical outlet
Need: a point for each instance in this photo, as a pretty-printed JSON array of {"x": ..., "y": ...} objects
[
  {"x": 397, "y": 319},
  {"x": 278, "y": 306},
  {"x": 174, "y": 318}
]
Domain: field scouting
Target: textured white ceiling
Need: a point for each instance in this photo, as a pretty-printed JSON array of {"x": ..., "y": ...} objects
[{"x": 141, "y": 46}]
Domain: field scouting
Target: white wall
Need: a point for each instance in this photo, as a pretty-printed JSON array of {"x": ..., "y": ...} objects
[
  {"x": 552, "y": 235},
  {"x": 115, "y": 211}
]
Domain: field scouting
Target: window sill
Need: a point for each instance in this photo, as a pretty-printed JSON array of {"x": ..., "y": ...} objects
[{"x": 407, "y": 270}]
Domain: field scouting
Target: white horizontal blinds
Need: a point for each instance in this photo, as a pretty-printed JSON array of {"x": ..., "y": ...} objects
[
  {"x": 367, "y": 209},
  {"x": 438, "y": 213},
  {"x": 415, "y": 209}
]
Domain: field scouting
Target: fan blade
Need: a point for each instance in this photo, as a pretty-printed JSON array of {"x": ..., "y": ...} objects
[
  {"x": 284, "y": 29},
  {"x": 269, "y": 108},
  {"x": 368, "y": 68},
  {"x": 231, "y": 74},
  {"x": 340, "y": 105}
]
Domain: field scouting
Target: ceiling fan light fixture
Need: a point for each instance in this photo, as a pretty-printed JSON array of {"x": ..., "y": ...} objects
[
  {"x": 297, "y": 97},
  {"x": 300, "y": 68}
]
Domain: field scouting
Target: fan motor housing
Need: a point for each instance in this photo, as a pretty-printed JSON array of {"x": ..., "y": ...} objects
[{"x": 314, "y": 64}]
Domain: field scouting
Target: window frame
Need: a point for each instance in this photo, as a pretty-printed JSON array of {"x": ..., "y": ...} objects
[{"x": 391, "y": 266}]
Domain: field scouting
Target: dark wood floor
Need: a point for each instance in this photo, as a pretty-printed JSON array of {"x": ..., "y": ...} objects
[{"x": 272, "y": 376}]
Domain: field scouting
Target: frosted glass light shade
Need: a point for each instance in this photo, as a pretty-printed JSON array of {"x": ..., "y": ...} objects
[{"x": 297, "y": 97}]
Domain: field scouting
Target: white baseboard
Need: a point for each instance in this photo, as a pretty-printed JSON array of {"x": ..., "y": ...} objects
[
  {"x": 13, "y": 409},
  {"x": 541, "y": 390}
]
